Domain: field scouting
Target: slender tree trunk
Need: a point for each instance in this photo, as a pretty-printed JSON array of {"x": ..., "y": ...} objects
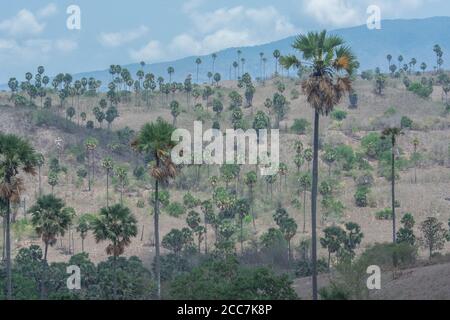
[
  {"x": 393, "y": 193},
  {"x": 242, "y": 236},
  {"x": 304, "y": 211},
  {"x": 156, "y": 216},
  {"x": 8, "y": 250},
  {"x": 206, "y": 236},
  {"x": 107, "y": 188},
  {"x": 115, "y": 277},
  {"x": 40, "y": 189},
  {"x": 314, "y": 204}
]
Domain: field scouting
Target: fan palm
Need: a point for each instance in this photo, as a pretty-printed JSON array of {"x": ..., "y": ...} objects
[
  {"x": 154, "y": 139},
  {"x": 392, "y": 134},
  {"x": 108, "y": 165},
  {"x": 16, "y": 155},
  {"x": 332, "y": 65},
  {"x": 117, "y": 225}
]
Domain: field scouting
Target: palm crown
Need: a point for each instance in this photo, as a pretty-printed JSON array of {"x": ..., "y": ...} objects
[{"x": 332, "y": 62}]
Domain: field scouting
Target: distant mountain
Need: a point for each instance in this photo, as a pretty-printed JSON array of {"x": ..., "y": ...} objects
[{"x": 413, "y": 38}]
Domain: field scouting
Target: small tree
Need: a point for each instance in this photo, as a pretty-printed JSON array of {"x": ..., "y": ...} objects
[
  {"x": 406, "y": 233},
  {"x": 434, "y": 234}
]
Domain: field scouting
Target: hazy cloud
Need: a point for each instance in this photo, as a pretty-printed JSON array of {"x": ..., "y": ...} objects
[
  {"x": 47, "y": 11},
  {"x": 23, "y": 23},
  {"x": 150, "y": 52},
  {"x": 117, "y": 39}
]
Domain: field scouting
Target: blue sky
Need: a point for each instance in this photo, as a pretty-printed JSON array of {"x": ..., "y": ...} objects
[{"x": 34, "y": 33}]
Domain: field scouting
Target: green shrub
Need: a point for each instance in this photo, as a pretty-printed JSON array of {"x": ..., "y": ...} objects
[
  {"x": 360, "y": 196},
  {"x": 300, "y": 126},
  {"x": 385, "y": 214},
  {"x": 390, "y": 255},
  {"x": 175, "y": 209},
  {"x": 406, "y": 122},
  {"x": 338, "y": 115}
]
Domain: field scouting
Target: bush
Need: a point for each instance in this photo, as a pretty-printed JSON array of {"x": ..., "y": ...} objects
[
  {"x": 406, "y": 122},
  {"x": 420, "y": 89},
  {"x": 300, "y": 126},
  {"x": 390, "y": 255},
  {"x": 303, "y": 268},
  {"x": 385, "y": 214},
  {"x": 361, "y": 197},
  {"x": 338, "y": 115},
  {"x": 175, "y": 209}
]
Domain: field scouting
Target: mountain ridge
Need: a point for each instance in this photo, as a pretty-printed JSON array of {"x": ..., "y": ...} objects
[{"x": 408, "y": 37}]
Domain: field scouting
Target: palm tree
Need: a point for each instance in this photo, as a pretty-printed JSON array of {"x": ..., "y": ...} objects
[
  {"x": 108, "y": 165},
  {"x": 423, "y": 67},
  {"x": 214, "y": 57},
  {"x": 400, "y": 60},
  {"x": 389, "y": 59},
  {"x": 16, "y": 156},
  {"x": 243, "y": 65},
  {"x": 155, "y": 139},
  {"x": 198, "y": 62},
  {"x": 91, "y": 145},
  {"x": 235, "y": 66},
  {"x": 264, "y": 67},
  {"x": 174, "y": 111},
  {"x": 40, "y": 160},
  {"x": 239, "y": 52},
  {"x": 276, "y": 55},
  {"x": 117, "y": 225},
  {"x": 332, "y": 66},
  {"x": 250, "y": 180},
  {"x": 261, "y": 56},
  {"x": 170, "y": 71},
  {"x": 415, "y": 145},
  {"x": 392, "y": 134},
  {"x": 122, "y": 174},
  {"x": 50, "y": 220}
]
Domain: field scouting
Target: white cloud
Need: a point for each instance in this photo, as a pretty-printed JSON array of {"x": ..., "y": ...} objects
[
  {"x": 117, "y": 39},
  {"x": 47, "y": 11},
  {"x": 150, "y": 52},
  {"x": 23, "y": 23},
  {"x": 333, "y": 12},
  {"x": 66, "y": 45},
  {"x": 229, "y": 27}
]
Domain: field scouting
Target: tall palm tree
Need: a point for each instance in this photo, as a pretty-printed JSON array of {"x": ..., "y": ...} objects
[
  {"x": 214, "y": 57},
  {"x": 415, "y": 143},
  {"x": 392, "y": 134},
  {"x": 198, "y": 62},
  {"x": 40, "y": 160},
  {"x": 170, "y": 71},
  {"x": 261, "y": 56},
  {"x": 154, "y": 139},
  {"x": 16, "y": 156},
  {"x": 276, "y": 55},
  {"x": 239, "y": 52},
  {"x": 389, "y": 59},
  {"x": 235, "y": 66},
  {"x": 117, "y": 225},
  {"x": 108, "y": 165},
  {"x": 122, "y": 175},
  {"x": 332, "y": 66}
]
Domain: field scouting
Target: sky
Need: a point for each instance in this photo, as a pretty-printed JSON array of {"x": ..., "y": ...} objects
[{"x": 34, "y": 33}]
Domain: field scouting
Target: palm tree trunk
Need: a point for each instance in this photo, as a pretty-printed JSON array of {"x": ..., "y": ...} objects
[
  {"x": 115, "y": 277},
  {"x": 393, "y": 193},
  {"x": 107, "y": 188},
  {"x": 8, "y": 251},
  {"x": 315, "y": 175},
  {"x": 39, "y": 172},
  {"x": 156, "y": 216},
  {"x": 242, "y": 236}
]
